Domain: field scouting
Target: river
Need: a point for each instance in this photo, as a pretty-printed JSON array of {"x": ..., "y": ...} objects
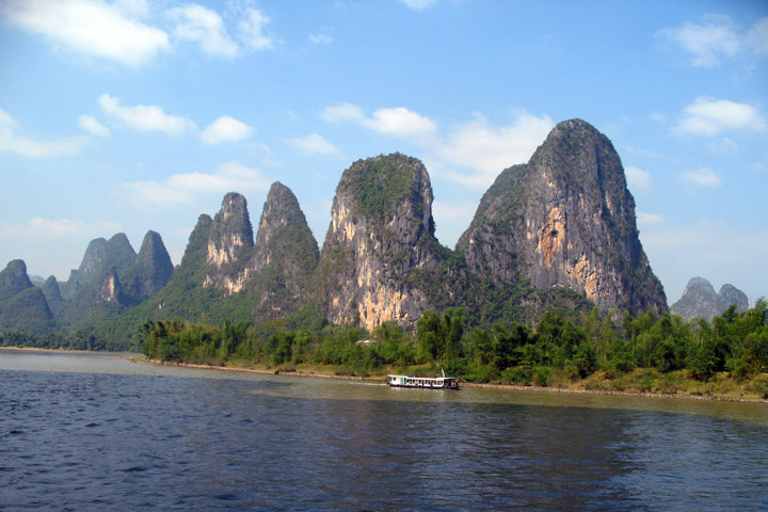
[{"x": 89, "y": 431}]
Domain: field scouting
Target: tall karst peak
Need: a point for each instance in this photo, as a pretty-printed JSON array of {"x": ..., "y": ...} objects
[
  {"x": 381, "y": 231},
  {"x": 729, "y": 294},
  {"x": 280, "y": 209},
  {"x": 152, "y": 269},
  {"x": 566, "y": 219},
  {"x": 118, "y": 252},
  {"x": 196, "y": 252},
  {"x": 14, "y": 279},
  {"x": 285, "y": 256},
  {"x": 231, "y": 233},
  {"x": 53, "y": 296},
  {"x": 22, "y": 305},
  {"x": 699, "y": 300},
  {"x": 282, "y": 222},
  {"x": 93, "y": 255},
  {"x": 100, "y": 257}
]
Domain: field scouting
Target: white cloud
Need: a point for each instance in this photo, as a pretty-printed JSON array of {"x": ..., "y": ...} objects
[
  {"x": 92, "y": 126},
  {"x": 757, "y": 37},
  {"x": 649, "y": 219},
  {"x": 320, "y": 38},
  {"x": 397, "y": 121},
  {"x": 252, "y": 30},
  {"x": 487, "y": 149},
  {"x": 45, "y": 229},
  {"x": 118, "y": 31},
  {"x": 719, "y": 37},
  {"x": 10, "y": 142},
  {"x": 315, "y": 144},
  {"x": 343, "y": 112},
  {"x": 638, "y": 179},
  {"x": 90, "y": 26},
  {"x": 205, "y": 26},
  {"x": 226, "y": 129},
  {"x": 483, "y": 150},
  {"x": 419, "y": 5},
  {"x": 707, "y": 116},
  {"x": 704, "y": 177},
  {"x": 183, "y": 188},
  {"x": 401, "y": 122},
  {"x": 145, "y": 117}
]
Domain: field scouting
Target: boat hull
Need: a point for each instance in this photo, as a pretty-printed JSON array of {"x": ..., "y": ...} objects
[{"x": 407, "y": 381}]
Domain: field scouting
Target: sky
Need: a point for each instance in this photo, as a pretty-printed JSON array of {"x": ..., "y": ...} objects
[{"x": 136, "y": 115}]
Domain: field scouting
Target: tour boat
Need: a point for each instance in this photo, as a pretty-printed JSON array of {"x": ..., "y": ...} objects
[{"x": 405, "y": 381}]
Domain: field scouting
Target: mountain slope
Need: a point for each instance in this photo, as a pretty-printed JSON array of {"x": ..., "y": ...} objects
[
  {"x": 381, "y": 232},
  {"x": 565, "y": 219},
  {"x": 699, "y": 300}
]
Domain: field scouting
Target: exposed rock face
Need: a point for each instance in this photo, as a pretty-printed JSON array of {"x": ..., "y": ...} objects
[
  {"x": 566, "y": 219},
  {"x": 230, "y": 238},
  {"x": 151, "y": 271},
  {"x": 285, "y": 255},
  {"x": 110, "y": 290},
  {"x": 729, "y": 294},
  {"x": 550, "y": 233},
  {"x": 381, "y": 231},
  {"x": 96, "y": 279},
  {"x": 699, "y": 300}
]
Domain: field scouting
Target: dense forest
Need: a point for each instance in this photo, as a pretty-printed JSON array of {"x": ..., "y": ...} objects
[{"x": 563, "y": 347}]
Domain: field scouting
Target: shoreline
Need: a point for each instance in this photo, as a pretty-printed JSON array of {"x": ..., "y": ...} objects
[
  {"x": 137, "y": 358},
  {"x": 509, "y": 387}
]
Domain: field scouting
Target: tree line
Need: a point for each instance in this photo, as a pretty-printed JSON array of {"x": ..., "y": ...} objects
[{"x": 574, "y": 345}]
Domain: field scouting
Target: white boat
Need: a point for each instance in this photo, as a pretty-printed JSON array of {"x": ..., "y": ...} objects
[{"x": 406, "y": 381}]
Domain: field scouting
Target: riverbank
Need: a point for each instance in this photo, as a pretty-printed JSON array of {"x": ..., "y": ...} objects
[{"x": 597, "y": 384}]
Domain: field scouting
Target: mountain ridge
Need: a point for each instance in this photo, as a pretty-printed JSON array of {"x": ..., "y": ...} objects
[{"x": 558, "y": 231}]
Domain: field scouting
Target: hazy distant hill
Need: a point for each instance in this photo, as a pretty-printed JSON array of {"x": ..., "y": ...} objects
[{"x": 699, "y": 300}]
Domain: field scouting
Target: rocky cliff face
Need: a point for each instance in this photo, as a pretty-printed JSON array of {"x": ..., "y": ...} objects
[
  {"x": 566, "y": 219},
  {"x": 230, "y": 240},
  {"x": 381, "y": 232},
  {"x": 100, "y": 257},
  {"x": 699, "y": 300},
  {"x": 550, "y": 233}
]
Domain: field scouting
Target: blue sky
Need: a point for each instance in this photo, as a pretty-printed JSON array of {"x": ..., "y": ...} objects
[{"x": 133, "y": 115}]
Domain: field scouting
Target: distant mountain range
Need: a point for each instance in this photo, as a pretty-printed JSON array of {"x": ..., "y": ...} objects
[
  {"x": 700, "y": 300},
  {"x": 559, "y": 231}
]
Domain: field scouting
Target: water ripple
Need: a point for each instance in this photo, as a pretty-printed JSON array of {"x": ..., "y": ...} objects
[{"x": 106, "y": 441}]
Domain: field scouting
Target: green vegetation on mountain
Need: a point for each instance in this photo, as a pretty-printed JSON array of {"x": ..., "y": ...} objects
[
  {"x": 378, "y": 184},
  {"x": 514, "y": 302}
]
